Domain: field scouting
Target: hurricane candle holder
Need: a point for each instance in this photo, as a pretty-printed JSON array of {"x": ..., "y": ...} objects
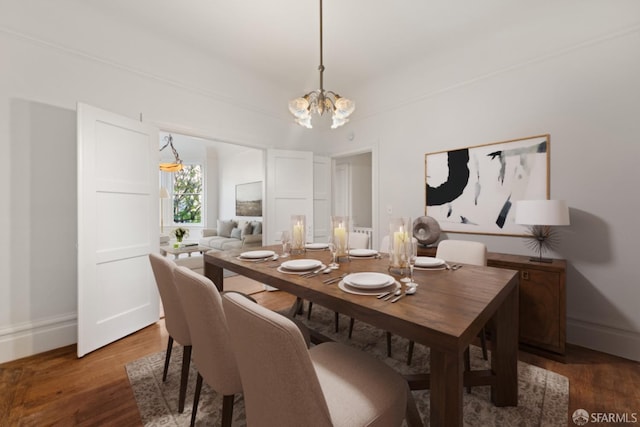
[
  {"x": 340, "y": 237},
  {"x": 298, "y": 234},
  {"x": 399, "y": 244}
]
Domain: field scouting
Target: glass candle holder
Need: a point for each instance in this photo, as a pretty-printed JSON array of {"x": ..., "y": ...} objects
[
  {"x": 400, "y": 243},
  {"x": 340, "y": 236},
  {"x": 298, "y": 240}
]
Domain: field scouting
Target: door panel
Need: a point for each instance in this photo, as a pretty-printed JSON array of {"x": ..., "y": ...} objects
[
  {"x": 289, "y": 191},
  {"x": 117, "y": 226},
  {"x": 321, "y": 198}
]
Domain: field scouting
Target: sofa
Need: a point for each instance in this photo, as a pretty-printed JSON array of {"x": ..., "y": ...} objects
[{"x": 232, "y": 234}]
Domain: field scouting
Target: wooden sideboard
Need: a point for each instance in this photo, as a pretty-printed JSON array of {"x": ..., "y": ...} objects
[{"x": 542, "y": 299}]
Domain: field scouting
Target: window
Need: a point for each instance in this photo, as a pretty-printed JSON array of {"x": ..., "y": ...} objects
[{"x": 186, "y": 192}]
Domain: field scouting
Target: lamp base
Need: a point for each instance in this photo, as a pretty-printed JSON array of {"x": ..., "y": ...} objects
[{"x": 539, "y": 259}]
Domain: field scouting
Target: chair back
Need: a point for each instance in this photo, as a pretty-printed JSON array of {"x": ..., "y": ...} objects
[
  {"x": 464, "y": 251},
  {"x": 212, "y": 352},
  {"x": 174, "y": 318},
  {"x": 358, "y": 240},
  {"x": 280, "y": 384},
  {"x": 384, "y": 244}
]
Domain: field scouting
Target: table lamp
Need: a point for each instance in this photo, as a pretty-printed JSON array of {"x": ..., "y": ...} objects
[{"x": 541, "y": 216}]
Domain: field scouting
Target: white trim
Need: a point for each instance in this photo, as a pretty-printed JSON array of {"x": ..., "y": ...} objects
[
  {"x": 29, "y": 338},
  {"x": 604, "y": 338}
]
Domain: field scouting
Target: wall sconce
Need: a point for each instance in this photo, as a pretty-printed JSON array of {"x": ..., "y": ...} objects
[{"x": 540, "y": 216}]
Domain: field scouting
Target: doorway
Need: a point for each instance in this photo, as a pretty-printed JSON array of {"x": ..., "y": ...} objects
[{"x": 354, "y": 192}]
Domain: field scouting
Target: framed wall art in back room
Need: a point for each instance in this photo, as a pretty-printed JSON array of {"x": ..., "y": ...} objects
[
  {"x": 249, "y": 199},
  {"x": 474, "y": 189}
]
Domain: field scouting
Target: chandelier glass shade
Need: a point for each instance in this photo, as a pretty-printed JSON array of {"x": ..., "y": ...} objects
[
  {"x": 176, "y": 165},
  {"x": 320, "y": 101}
]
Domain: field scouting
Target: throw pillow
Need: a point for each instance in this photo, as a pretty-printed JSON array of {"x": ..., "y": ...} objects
[
  {"x": 236, "y": 233},
  {"x": 225, "y": 227},
  {"x": 257, "y": 227}
]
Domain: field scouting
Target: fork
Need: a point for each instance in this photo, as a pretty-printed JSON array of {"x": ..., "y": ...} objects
[
  {"x": 312, "y": 274},
  {"x": 334, "y": 279}
]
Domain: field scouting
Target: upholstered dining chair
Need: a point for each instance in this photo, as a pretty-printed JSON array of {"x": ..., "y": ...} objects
[
  {"x": 212, "y": 352},
  {"x": 174, "y": 320},
  {"x": 465, "y": 252},
  {"x": 286, "y": 384},
  {"x": 356, "y": 241},
  {"x": 384, "y": 248}
]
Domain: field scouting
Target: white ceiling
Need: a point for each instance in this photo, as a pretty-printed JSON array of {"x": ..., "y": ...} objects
[{"x": 279, "y": 39}]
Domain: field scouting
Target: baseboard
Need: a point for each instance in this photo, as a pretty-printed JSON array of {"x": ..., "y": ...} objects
[
  {"x": 29, "y": 338},
  {"x": 604, "y": 338}
]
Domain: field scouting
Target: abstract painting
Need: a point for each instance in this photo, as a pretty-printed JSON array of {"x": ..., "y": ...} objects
[
  {"x": 249, "y": 199},
  {"x": 474, "y": 189}
]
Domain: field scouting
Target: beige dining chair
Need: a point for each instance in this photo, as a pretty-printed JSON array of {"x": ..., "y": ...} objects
[
  {"x": 384, "y": 248},
  {"x": 174, "y": 320},
  {"x": 212, "y": 352},
  {"x": 465, "y": 252},
  {"x": 356, "y": 241},
  {"x": 287, "y": 385}
]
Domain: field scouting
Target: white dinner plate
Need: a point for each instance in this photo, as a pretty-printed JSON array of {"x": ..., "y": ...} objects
[
  {"x": 427, "y": 261},
  {"x": 369, "y": 280},
  {"x": 316, "y": 246},
  {"x": 257, "y": 254},
  {"x": 363, "y": 252},
  {"x": 301, "y": 264},
  {"x": 285, "y": 271},
  {"x": 357, "y": 291}
]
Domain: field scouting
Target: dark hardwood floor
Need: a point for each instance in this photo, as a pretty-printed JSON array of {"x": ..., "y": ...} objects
[{"x": 58, "y": 389}]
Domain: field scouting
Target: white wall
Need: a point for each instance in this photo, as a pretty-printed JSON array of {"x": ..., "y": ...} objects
[
  {"x": 583, "y": 89},
  {"x": 244, "y": 166},
  {"x": 48, "y": 64}
]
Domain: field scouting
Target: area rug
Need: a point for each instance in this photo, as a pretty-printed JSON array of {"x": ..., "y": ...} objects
[{"x": 543, "y": 395}]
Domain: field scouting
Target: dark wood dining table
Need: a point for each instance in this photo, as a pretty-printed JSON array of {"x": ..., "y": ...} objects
[{"x": 446, "y": 314}]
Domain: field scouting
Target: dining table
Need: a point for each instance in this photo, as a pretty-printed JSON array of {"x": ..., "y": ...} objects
[{"x": 446, "y": 313}]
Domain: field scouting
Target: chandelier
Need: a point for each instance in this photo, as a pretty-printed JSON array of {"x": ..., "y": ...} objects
[
  {"x": 320, "y": 101},
  {"x": 177, "y": 163}
]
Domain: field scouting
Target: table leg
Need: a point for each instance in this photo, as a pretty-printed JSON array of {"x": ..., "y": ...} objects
[
  {"x": 504, "y": 359},
  {"x": 447, "y": 373},
  {"x": 215, "y": 274}
]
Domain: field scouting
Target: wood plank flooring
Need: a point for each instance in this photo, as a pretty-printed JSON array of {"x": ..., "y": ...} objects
[{"x": 58, "y": 389}]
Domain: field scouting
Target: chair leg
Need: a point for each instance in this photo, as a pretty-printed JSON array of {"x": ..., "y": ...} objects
[
  {"x": 167, "y": 358},
  {"x": 227, "y": 410},
  {"x": 196, "y": 399},
  {"x": 410, "y": 352},
  {"x": 467, "y": 364},
  {"x": 309, "y": 310},
  {"x": 388, "y": 344},
  {"x": 337, "y": 317},
  {"x": 483, "y": 340},
  {"x": 352, "y": 321},
  {"x": 184, "y": 377}
]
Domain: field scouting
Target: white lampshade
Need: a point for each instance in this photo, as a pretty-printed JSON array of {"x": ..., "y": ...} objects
[
  {"x": 164, "y": 194},
  {"x": 542, "y": 212}
]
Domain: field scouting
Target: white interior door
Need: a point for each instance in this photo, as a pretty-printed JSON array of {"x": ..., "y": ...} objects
[
  {"x": 289, "y": 191},
  {"x": 342, "y": 190},
  {"x": 117, "y": 226},
  {"x": 321, "y": 198}
]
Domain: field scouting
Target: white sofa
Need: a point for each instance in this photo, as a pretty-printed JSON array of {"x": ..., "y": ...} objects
[{"x": 232, "y": 234}]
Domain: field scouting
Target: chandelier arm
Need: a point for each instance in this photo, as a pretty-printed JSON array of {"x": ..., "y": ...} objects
[{"x": 321, "y": 67}]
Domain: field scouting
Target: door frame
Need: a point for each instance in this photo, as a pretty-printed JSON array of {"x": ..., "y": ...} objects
[{"x": 375, "y": 183}]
